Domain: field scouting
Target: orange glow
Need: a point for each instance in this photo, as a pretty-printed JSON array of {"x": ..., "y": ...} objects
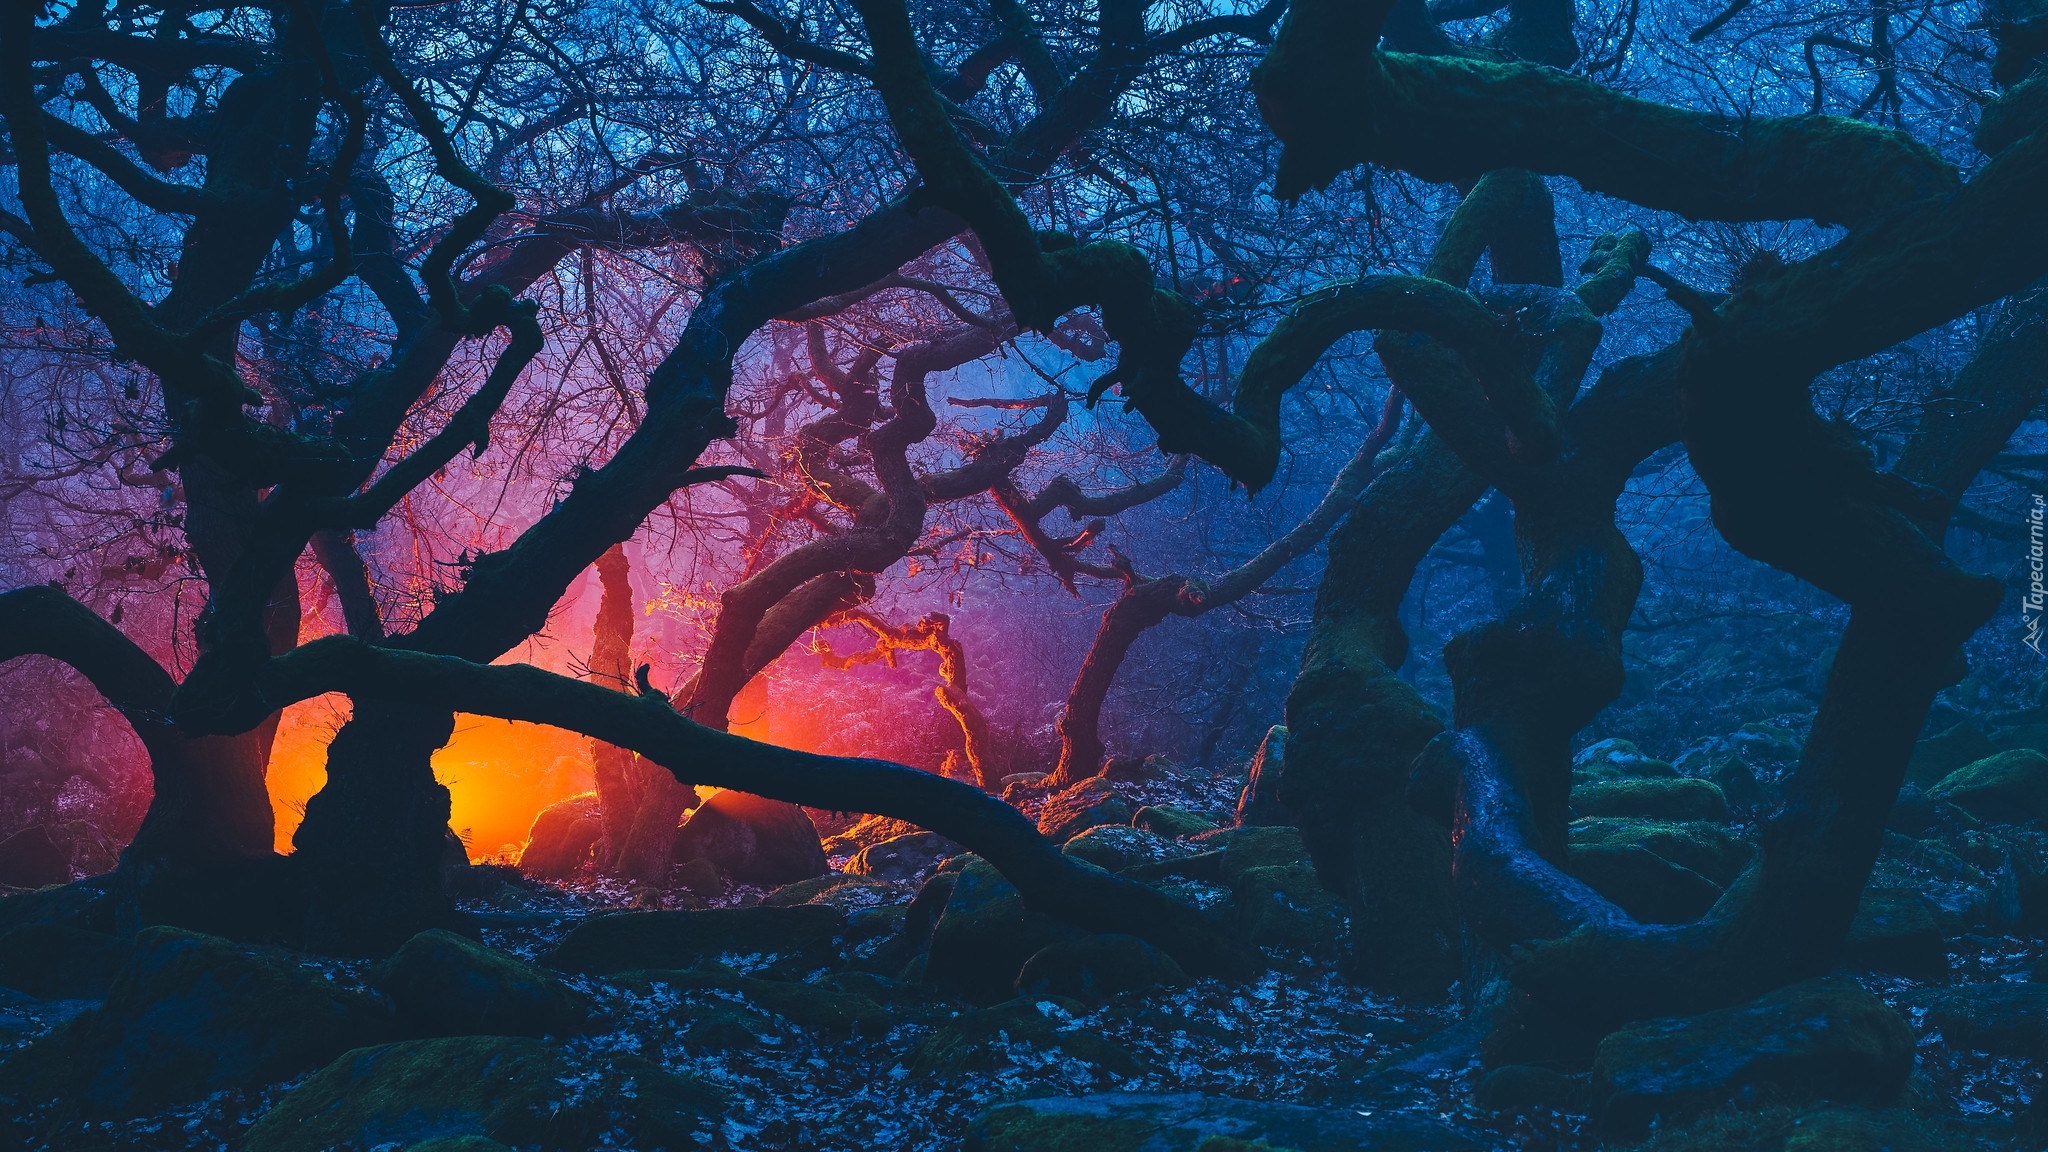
[{"x": 499, "y": 773}]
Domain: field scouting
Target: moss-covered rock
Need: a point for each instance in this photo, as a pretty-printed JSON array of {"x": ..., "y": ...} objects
[
  {"x": 1957, "y": 746},
  {"x": 1657, "y": 799},
  {"x": 449, "y": 985},
  {"x": 519, "y": 1092},
  {"x": 1191, "y": 1122},
  {"x": 1711, "y": 850},
  {"x": 2002, "y": 1019},
  {"x": 1115, "y": 847},
  {"x": 1095, "y": 967},
  {"x": 1246, "y": 848},
  {"x": 1092, "y": 802},
  {"x": 1167, "y": 820},
  {"x": 1529, "y": 1088},
  {"x": 1648, "y": 887},
  {"x": 985, "y": 935},
  {"x": 1896, "y": 932},
  {"x": 806, "y": 935},
  {"x": 59, "y": 962},
  {"x": 752, "y": 839},
  {"x": 1617, "y": 760},
  {"x": 836, "y": 890},
  {"x": 189, "y": 1015},
  {"x": 981, "y": 1042},
  {"x": 902, "y": 858},
  {"x": 1825, "y": 1039},
  {"x": 1285, "y": 906},
  {"x": 562, "y": 836},
  {"x": 2009, "y": 788}
]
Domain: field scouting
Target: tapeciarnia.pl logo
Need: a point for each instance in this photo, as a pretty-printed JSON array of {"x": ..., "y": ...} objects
[{"x": 2035, "y": 603}]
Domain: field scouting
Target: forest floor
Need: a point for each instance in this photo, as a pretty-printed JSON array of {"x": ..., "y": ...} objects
[{"x": 916, "y": 1078}]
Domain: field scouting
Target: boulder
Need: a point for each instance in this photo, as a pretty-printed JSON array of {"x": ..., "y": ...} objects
[
  {"x": 58, "y": 962},
  {"x": 2002, "y": 1019},
  {"x": 1185, "y": 1122},
  {"x": 1824, "y": 1039},
  {"x": 448, "y": 985},
  {"x": 752, "y": 839},
  {"x": 849, "y": 894},
  {"x": 700, "y": 878},
  {"x": 806, "y": 936},
  {"x": 981, "y": 1042},
  {"x": 1737, "y": 782},
  {"x": 562, "y": 838},
  {"x": 1651, "y": 889},
  {"x": 985, "y": 935},
  {"x": 1092, "y": 802},
  {"x": 1617, "y": 760},
  {"x": 1285, "y": 906},
  {"x": 1529, "y": 1088},
  {"x": 1167, "y": 820},
  {"x": 1247, "y": 848},
  {"x": 1896, "y": 932},
  {"x": 519, "y": 1092},
  {"x": 1137, "y": 769},
  {"x": 1259, "y": 803},
  {"x": 865, "y": 831},
  {"x": 1096, "y": 967},
  {"x": 902, "y": 858},
  {"x": 189, "y": 1015},
  {"x": 30, "y": 859},
  {"x": 2009, "y": 788},
  {"x": 1957, "y": 746},
  {"x": 1115, "y": 847},
  {"x": 1711, "y": 850},
  {"x": 1678, "y": 798}
]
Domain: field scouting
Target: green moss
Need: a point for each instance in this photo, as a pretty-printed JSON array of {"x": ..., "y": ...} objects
[
  {"x": 1284, "y": 906},
  {"x": 978, "y": 1043},
  {"x": 2009, "y": 788},
  {"x": 1115, "y": 847},
  {"x": 1167, "y": 820},
  {"x": 514, "y": 1090},
  {"x": 803, "y": 1004},
  {"x": 448, "y": 985},
  {"x": 1851, "y": 1129},
  {"x": 985, "y": 935},
  {"x": 1710, "y": 849},
  {"x": 1658, "y": 799}
]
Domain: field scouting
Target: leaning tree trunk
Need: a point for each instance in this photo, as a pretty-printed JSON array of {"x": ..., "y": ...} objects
[{"x": 635, "y": 800}]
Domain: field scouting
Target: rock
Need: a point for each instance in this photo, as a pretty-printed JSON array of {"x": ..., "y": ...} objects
[
  {"x": 978, "y": 1043},
  {"x": 58, "y": 962},
  {"x": 562, "y": 837},
  {"x": 1184, "y": 1122},
  {"x": 1115, "y": 847},
  {"x": 458, "y": 1144},
  {"x": 1247, "y": 848},
  {"x": 1529, "y": 1088},
  {"x": 2002, "y": 1019},
  {"x": 1836, "y": 1129},
  {"x": 1737, "y": 782},
  {"x": 1679, "y": 798},
  {"x": 1092, "y": 802},
  {"x": 804, "y": 935},
  {"x": 1137, "y": 769},
  {"x": 985, "y": 935},
  {"x": 849, "y": 894},
  {"x": 1285, "y": 906},
  {"x": 1956, "y": 747},
  {"x": 1259, "y": 803},
  {"x": 1897, "y": 933},
  {"x": 902, "y": 857},
  {"x": 1023, "y": 779},
  {"x": 519, "y": 1092},
  {"x": 699, "y": 877},
  {"x": 189, "y": 1015},
  {"x": 868, "y": 830},
  {"x": 1097, "y": 967},
  {"x": 1913, "y": 814},
  {"x": 1824, "y": 1039},
  {"x": 1651, "y": 889},
  {"x": 30, "y": 859},
  {"x": 2009, "y": 788},
  {"x": 1708, "y": 849},
  {"x": 1617, "y": 760},
  {"x": 449, "y": 985},
  {"x": 1168, "y": 820},
  {"x": 752, "y": 840}
]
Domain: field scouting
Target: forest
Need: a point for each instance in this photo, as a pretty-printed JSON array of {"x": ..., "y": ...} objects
[{"x": 1024, "y": 575}]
